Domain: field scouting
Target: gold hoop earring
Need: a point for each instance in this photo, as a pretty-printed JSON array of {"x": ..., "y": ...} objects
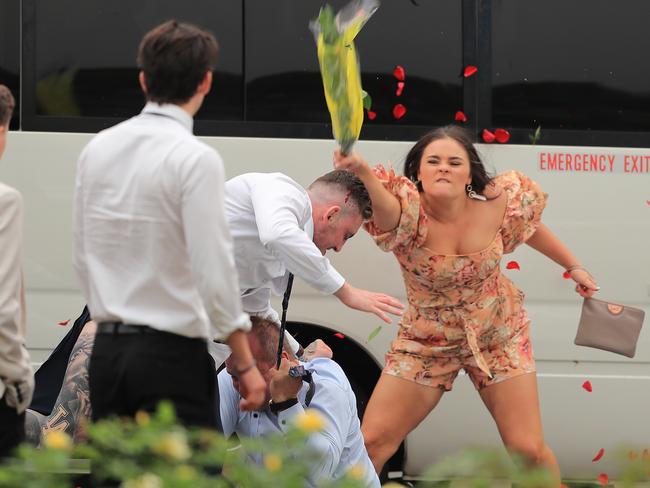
[{"x": 473, "y": 195}]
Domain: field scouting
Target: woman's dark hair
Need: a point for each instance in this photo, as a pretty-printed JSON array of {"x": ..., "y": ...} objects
[
  {"x": 480, "y": 177},
  {"x": 175, "y": 58}
]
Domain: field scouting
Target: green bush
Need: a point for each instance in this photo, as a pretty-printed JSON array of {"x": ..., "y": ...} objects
[{"x": 155, "y": 452}]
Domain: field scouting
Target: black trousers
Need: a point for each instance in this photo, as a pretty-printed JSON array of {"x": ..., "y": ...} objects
[
  {"x": 131, "y": 372},
  {"x": 12, "y": 428}
]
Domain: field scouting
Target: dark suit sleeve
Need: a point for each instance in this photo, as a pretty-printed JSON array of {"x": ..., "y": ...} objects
[{"x": 49, "y": 377}]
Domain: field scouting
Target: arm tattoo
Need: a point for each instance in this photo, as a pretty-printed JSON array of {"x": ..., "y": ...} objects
[{"x": 72, "y": 407}]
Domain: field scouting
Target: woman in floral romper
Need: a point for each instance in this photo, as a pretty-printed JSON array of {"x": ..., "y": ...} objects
[{"x": 449, "y": 225}]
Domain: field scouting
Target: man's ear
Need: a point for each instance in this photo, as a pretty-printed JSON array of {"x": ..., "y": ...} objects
[
  {"x": 332, "y": 213},
  {"x": 205, "y": 85},
  {"x": 143, "y": 84}
]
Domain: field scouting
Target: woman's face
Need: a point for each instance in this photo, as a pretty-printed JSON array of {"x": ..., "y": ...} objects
[{"x": 444, "y": 169}]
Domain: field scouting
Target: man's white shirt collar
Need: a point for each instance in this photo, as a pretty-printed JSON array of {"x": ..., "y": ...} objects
[{"x": 172, "y": 111}]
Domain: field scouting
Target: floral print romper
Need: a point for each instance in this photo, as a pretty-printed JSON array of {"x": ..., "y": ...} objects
[{"x": 463, "y": 313}]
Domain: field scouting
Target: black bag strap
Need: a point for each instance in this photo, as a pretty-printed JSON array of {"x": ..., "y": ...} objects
[
  {"x": 283, "y": 326},
  {"x": 283, "y": 322}
]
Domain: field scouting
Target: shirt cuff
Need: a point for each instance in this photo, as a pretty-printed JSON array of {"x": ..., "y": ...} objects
[
  {"x": 285, "y": 417},
  {"x": 243, "y": 322},
  {"x": 330, "y": 282}
]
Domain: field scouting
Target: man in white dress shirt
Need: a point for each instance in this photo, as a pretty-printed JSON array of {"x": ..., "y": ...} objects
[
  {"x": 152, "y": 248},
  {"x": 339, "y": 446},
  {"x": 16, "y": 377},
  {"x": 281, "y": 228}
]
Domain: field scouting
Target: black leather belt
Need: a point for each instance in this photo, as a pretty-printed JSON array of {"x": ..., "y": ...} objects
[{"x": 120, "y": 328}]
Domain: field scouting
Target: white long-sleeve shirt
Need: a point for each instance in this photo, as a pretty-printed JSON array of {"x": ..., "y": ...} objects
[
  {"x": 151, "y": 242},
  {"x": 16, "y": 377},
  {"x": 339, "y": 446},
  {"x": 270, "y": 218}
]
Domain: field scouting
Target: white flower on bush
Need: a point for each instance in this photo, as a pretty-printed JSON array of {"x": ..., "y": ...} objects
[
  {"x": 145, "y": 481},
  {"x": 173, "y": 446}
]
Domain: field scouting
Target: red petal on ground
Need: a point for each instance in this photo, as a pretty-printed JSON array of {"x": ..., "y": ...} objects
[
  {"x": 398, "y": 111},
  {"x": 587, "y": 386},
  {"x": 487, "y": 136},
  {"x": 399, "y": 73},
  {"x": 603, "y": 478},
  {"x": 400, "y": 88},
  {"x": 63, "y": 323},
  {"x": 512, "y": 265},
  {"x": 597, "y": 457},
  {"x": 339, "y": 335},
  {"x": 460, "y": 116},
  {"x": 372, "y": 115},
  {"x": 469, "y": 71},
  {"x": 502, "y": 136},
  {"x": 566, "y": 275}
]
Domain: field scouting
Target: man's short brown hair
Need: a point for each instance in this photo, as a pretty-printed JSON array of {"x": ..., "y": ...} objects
[
  {"x": 7, "y": 105},
  {"x": 352, "y": 186},
  {"x": 267, "y": 334},
  {"x": 175, "y": 58}
]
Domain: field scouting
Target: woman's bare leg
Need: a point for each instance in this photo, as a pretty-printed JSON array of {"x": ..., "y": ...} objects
[
  {"x": 514, "y": 405},
  {"x": 395, "y": 408}
]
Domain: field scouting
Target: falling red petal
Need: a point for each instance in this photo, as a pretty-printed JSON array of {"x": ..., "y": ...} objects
[
  {"x": 63, "y": 323},
  {"x": 339, "y": 335},
  {"x": 646, "y": 455},
  {"x": 398, "y": 111},
  {"x": 460, "y": 116},
  {"x": 647, "y": 202},
  {"x": 372, "y": 115},
  {"x": 502, "y": 136},
  {"x": 487, "y": 136},
  {"x": 566, "y": 275},
  {"x": 603, "y": 478},
  {"x": 399, "y": 73},
  {"x": 512, "y": 265},
  {"x": 587, "y": 386},
  {"x": 597, "y": 457},
  {"x": 632, "y": 455},
  {"x": 469, "y": 71},
  {"x": 400, "y": 88}
]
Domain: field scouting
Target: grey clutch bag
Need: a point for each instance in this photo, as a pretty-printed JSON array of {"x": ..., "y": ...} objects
[{"x": 609, "y": 326}]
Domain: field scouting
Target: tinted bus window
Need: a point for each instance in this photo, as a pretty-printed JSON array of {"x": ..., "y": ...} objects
[
  {"x": 571, "y": 65},
  {"x": 283, "y": 80},
  {"x": 84, "y": 55},
  {"x": 10, "y": 52}
]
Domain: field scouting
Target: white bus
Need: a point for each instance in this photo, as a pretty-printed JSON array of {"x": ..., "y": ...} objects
[{"x": 76, "y": 74}]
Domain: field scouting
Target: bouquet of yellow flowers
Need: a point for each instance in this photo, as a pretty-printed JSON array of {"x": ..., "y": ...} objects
[{"x": 340, "y": 68}]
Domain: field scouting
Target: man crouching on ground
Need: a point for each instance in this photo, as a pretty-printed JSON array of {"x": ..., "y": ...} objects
[{"x": 340, "y": 445}]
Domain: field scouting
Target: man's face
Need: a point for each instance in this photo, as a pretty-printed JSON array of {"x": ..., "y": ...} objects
[{"x": 334, "y": 228}]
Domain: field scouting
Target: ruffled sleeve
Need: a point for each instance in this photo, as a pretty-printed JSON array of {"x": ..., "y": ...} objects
[
  {"x": 526, "y": 202},
  {"x": 411, "y": 229}
]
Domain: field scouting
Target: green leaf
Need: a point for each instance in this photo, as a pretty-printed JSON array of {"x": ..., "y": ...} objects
[
  {"x": 328, "y": 25},
  {"x": 536, "y": 136},
  {"x": 374, "y": 333},
  {"x": 367, "y": 100}
]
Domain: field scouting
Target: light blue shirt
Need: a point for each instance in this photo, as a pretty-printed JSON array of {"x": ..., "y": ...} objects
[{"x": 340, "y": 444}]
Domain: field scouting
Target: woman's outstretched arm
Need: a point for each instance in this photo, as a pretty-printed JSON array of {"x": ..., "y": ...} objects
[
  {"x": 544, "y": 241},
  {"x": 386, "y": 209}
]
